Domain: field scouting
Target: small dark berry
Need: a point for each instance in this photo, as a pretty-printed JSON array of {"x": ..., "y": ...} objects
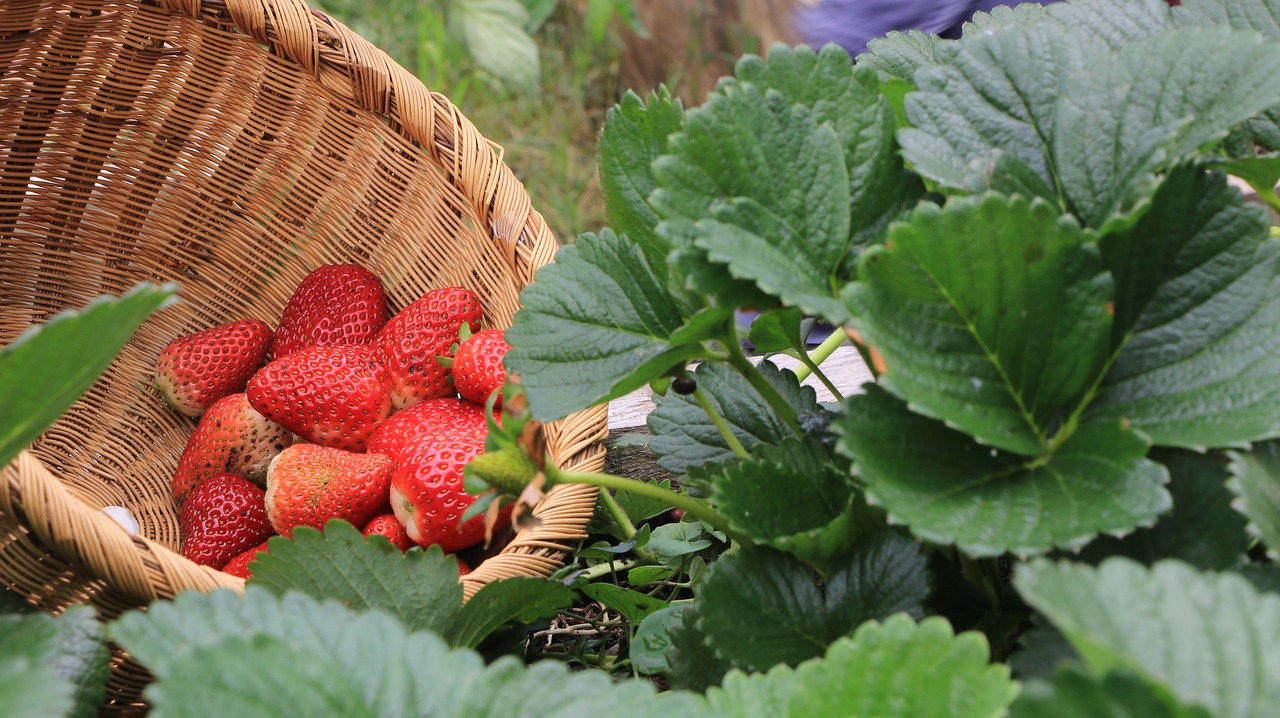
[{"x": 684, "y": 385}]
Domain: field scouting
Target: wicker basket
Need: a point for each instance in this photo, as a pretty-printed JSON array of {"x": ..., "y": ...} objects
[{"x": 231, "y": 146}]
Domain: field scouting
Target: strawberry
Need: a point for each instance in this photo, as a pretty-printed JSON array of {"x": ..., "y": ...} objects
[
  {"x": 309, "y": 484},
  {"x": 463, "y": 569},
  {"x": 239, "y": 566},
  {"x": 507, "y": 470},
  {"x": 412, "y": 340},
  {"x": 332, "y": 396},
  {"x": 231, "y": 437},
  {"x": 335, "y": 305},
  {"x": 427, "y": 494},
  {"x": 477, "y": 366},
  {"x": 196, "y": 370},
  {"x": 434, "y": 417},
  {"x": 223, "y": 516},
  {"x": 389, "y": 526}
]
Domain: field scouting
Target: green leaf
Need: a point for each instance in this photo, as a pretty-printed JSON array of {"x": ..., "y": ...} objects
[
  {"x": 651, "y": 646},
  {"x": 777, "y": 330},
  {"x": 1262, "y": 173},
  {"x": 1003, "y": 16},
  {"x": 1255, "y": 482},
  {"x": 634, "y": 135},
  {"x": 1116, "y": 23},
  {"x": 495, "y": 35},
  {"x": 759, "y": 607},
  {"x": 694, "y": 665},
  {"x": 792, "y": 497},
  {"x": 1042, "y": 651},
  {"x": 721, "y": 183},
  {"x": 950, "y": 489},
  {"x": 1264, "y": 577},
  {"x": 671, "y": 543},
  {"x": 633, "y": 605},
  {"x": 521, "y": 599},
  {"x": 1119, "y": 694},
  {"x": 974, "y": 305},
  {"x": 1212, "y": 639},
  {"x": 899, "y": 54},
  {"x": 1094, "y": 124},
  {"x": 1202, "y": 529},
  {"x": 220, "y": 654},
  {"x": 593, "y": 325},
  {"x": 898, "y": 668},
  {"x": 685, "y": 437},
  {"x": 52, "y": 666},
  {"x": 1197, "y": 318},
  {"x": 46, "y": 369},
  {"x": 420, "y": 588}
]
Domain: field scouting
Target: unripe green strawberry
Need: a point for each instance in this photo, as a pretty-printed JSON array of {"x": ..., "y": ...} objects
[
  {"x": 196, "y": 370},
  {"x": 477, "y": 366},
  {"x": 507, "y": 470},
  {"x": 309, "y": 484}
]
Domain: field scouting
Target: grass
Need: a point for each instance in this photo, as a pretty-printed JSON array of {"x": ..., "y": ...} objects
[{"x": 549, "y": 136}]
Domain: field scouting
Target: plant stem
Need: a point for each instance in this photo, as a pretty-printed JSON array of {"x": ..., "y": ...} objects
[
  {"x": 721, "y": 425},
  {"x": 690, "y": 505},
  {"x": 767, "y": 391},
  {"x": 824, "y": 350},
  {"x": 601, "y": 570},
  {"x": 618, "y": 515}
]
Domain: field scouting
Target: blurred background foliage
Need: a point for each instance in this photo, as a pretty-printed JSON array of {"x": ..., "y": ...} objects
[{"x": 537, "y": 76}]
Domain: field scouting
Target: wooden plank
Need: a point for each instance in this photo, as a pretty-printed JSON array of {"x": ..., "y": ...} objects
[{"x": 844, "y": 368}]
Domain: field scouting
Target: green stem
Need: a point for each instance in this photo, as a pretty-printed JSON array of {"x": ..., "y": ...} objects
[
  {"x": 819, "y": 355},
  {"x": 1275, "y": 231},
  {"x": 689, "y": 504},
  {"x": 607, "y": 568},
  {"x": 721, "y": 425},
  {"x": 785, "y": 411},
  {"x": 618, "y": 515}
]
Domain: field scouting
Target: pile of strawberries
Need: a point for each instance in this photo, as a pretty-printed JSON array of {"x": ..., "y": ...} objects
[{"x": 343, "y": 411}]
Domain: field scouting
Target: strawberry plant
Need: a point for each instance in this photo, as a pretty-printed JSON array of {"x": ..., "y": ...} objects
[{"x": 1058, "y": 497}]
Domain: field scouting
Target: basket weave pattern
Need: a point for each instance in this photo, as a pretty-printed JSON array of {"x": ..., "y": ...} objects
[{"x": 231, "y": 146}]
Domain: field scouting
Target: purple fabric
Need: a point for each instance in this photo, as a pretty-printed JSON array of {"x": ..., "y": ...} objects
[{"x": 852, "y": 23}]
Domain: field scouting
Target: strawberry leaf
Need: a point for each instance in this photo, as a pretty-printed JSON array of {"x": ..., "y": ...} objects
[
  {"x": 1201, "y": 529},
  {"x": 633, "y": 605},
  {"x": 950, "y": 489},
  {"x": 1169, "y": 623},
  {"x": 220, "y": 654},
  {"x": 800, "y": 120},
  {"x": 973, "y": 306},
  {"x": 1255, "y": 482},
  {"x": 794, "y": 498},
  {"x": 52, "y": 666},
  {"x": 46, "y": 370},
  {"x": 635, "y": 133},
  {"x": 651, "y": 645},
  {"x": 1197, "y": 325},
  {"x": 899, "y": 54},
  {"x": 685, "y": 437},
  {"x": 594, "y": 325},
  {"x": 1095, "y": 124},
  {"x": 520, "y": 598},
  {"x": 420, "y": 588},
  {"x": 895, "y": 668},
  {"x": 1119, "y": 694},
  {"x": 759, "y": 607}
]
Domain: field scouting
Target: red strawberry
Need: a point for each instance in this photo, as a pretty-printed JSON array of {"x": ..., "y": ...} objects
[
  {"x": 239, "y": 566},
  {"x": 332, "y": 396},
  {"x": 477, "y": 366},
  {"x": 335, "y": 305},
  {"x": 427, "y": 494},
  {"x": 308, "y": 484},
  {"x": 428, "y": 328},
  {"x": 231, "y": 437},
  {"x": 445, "y": 416},
  {"x": 463, "y": 569},
  {"x": 196, "y": 370},
  {"x": 223, "y": 516},
  {"x": 388, "y": 525}
]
